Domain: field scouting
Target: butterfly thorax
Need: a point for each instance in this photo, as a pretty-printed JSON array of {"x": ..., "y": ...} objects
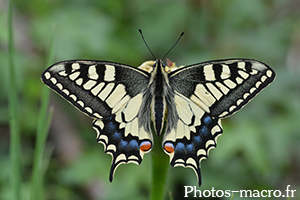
[{"x": 158, "y": 90}]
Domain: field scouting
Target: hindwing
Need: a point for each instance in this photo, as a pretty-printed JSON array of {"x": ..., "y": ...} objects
[
  {"x": 123, "y": 137},
  {"x": 190, "y": 139},
  {"x": 111, "y": 94}
]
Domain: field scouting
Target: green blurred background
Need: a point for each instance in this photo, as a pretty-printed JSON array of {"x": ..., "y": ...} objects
[{"x": 260, "y": 147}]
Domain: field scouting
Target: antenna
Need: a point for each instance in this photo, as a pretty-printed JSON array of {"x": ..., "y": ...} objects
[
  {"x": 146, "y": 44},
  {"x": 150, "y": 49},
  {"x": 173, "y": 45}
]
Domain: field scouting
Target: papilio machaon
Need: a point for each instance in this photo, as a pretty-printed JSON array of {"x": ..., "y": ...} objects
[{"x": 189, "y": 101}]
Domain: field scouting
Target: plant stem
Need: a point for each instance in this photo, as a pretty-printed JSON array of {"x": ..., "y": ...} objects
[
  {"x": 15, "y": 144},
  {"x": 160, "y": 166},
  {"x": 43, "y": 124}
]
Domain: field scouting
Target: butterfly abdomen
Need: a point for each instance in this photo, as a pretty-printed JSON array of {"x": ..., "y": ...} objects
[
  {"x": 158, "y": 102},
  {"x": 159, "y": 108}
]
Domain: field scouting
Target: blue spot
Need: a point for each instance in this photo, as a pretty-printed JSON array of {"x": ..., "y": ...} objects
[
  {"x": 207, "y": 120},
  {"x": 111, "y": 126},
  {"x": 180, "y": 147},
  {"x": 109, "y": 118},
  {"x": 123, "y": 144},
  {"x": 197, "y": 139},
  {"x": 190, "y": 148},
  {"x": 133, "y": 144},
  {"x": 116, "y": 135},
  {"x": 203, "y": 131}
]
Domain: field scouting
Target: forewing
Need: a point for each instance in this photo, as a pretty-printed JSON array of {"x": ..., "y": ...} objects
[
  {"x": 192, "y": 135},
  {"x": 96, "y": 88},
  {"x": 222, "y": 87}
]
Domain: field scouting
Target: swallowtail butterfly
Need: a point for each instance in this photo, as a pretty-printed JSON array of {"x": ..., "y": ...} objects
[{"x": 187, "y": 102}]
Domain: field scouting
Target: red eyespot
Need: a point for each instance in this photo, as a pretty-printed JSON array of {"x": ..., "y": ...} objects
[
  {"x": 169, "y": 147},
  {"x": 145, "y": 146}
]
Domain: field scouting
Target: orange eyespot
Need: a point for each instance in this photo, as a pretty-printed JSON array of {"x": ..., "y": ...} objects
[
  {"x": 169, "y": 147},
  {"x": 145, "y": 146}
]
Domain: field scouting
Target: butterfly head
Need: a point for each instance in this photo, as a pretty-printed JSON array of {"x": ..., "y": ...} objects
[
  {"x": 170, "y": 66},
  {"x": 158, "y": 63}
]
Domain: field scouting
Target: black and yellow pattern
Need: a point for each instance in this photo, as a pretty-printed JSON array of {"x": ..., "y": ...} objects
[{"x": 123, "y": 100}]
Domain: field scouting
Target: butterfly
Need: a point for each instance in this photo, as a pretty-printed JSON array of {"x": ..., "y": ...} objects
[{"x": 188, "y": 103}]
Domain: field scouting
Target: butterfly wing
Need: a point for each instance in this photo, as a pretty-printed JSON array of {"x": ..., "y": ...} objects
[
  {"x": 222, "y": 87},
  {"x": 111, "y": 94},
  {"x": 195, "y": 132},
  {"x": 204, "y": 93}
]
